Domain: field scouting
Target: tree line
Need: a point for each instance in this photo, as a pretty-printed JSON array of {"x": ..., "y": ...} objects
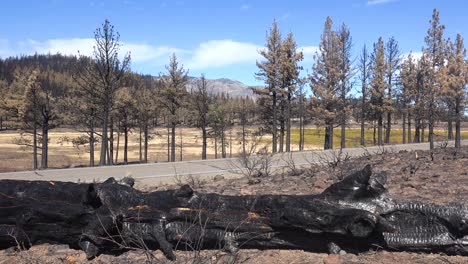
[
  {"x": 419, "y": 91},
  {"x": 100, "y": 95}
]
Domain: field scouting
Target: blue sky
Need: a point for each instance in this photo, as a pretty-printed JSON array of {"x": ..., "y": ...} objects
[{"x": 218, "y": 38}]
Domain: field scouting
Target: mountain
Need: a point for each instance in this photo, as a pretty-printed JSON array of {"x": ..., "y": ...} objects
[{"x": 233, "y": 88}]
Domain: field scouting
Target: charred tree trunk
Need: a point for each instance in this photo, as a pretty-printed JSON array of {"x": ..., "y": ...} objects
[
  {"x": 100, "y": 217},
  {"x": 301, "y": 122},
  {"x": 274, "y": 123},
  {"x": 230, "y": 142},
  {"x": 282, "y": 123},
  {"x": 223, "y": 143},
  {"x": 204, "y": 142},
  {"x": 117, "y": 148},
  {"x": 104, "y": 142},
  {"x": 343, "y": 119},
  {"x": 168, "y": 144},
  {"x": 328, "y": 136},
  {"x": 35, "y": 145},
  {"x": 111, "y": 142},
  {"x": 458, "y": 117},
  {"x": 216, "y": 145},
  {"x": 91, "y": 139},
  {"x": 288, "y": 124},
  {"x": 181, "y": 144},
  {"x": 450, "y": 122},
  {"x": 431, "y": 129},
  {"x": 363, "y": 127},
  {"x": 388, "y": 128},
  {"x": 423, "y": 131},
  {"x": 45, "y": 141},
  {"x": 173, "y": 141},
  {"x": 409, "y": 127},
  {"x": 417, "y": 129},
  {"x": 125, "y": 145},
  {"x": 146, "y": 138},
  {"x": 140, "y": 145},
  {"x": 403, "y": 125},
  {"x": 374, "y": 135},
  {"x": 243, "y": 135},
  {"x": 380, "y": 130}
]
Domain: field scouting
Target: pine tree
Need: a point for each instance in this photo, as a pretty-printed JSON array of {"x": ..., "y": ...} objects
[
  {"x": 269, "y": 72},
  {"x": 29, "y": 109},
  {"x": 289, "y": 72},
  {"x": 364, "y": 68},
  {"x": 325, "y": 82},
  {"x": 172, "y": 97},
  {"x": 393, "y": 60},
  {"x": 378, "y": 86},
  {"x": 346, "y": 73},
  {"x": 408, "y": 77},
  {"x": 202, "y": 99},
  {"x": 421, "y": 96},
  {"x": 125, "y": 107},
  {"x": 100, "y": 78},
  {"x": 455, "y": 81},
  {"x": 434, "y": 52},
  {"x": 147, "y": 109}
]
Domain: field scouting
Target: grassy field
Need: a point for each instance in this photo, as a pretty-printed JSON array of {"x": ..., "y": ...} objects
[
  {"x": 315, "y": 137},
  {"x": 64, "y": 155}
]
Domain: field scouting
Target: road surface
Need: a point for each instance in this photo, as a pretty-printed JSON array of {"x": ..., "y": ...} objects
[{"x": 156, "y": 173}]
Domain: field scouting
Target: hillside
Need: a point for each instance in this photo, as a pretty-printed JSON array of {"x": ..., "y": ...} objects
[{"x": 65, "y": 65}]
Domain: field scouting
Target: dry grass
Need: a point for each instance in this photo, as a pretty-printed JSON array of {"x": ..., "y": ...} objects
[{"x": 64, "y": 155}]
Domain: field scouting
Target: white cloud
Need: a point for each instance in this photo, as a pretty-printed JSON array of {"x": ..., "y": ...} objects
[
  {"x": 379, "y": 2},
  {"x": 145, "y": 53},
  {"x": 139, "y": 52},
  {"x": 284, "y": 16},
  {"x": 308, "y": 51},
  {"x": 63, "y": 46},
  {"x": 4, "y": 48},
  {"x": 416, "y": 55},
  {"x": 207, "y": 55},
  {"x": 218, "y": 53},
  {"x": 245, "y": 7}
]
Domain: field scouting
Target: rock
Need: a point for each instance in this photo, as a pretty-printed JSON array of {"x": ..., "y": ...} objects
[
  {"x": 333, "y": 248},
  {"x": 218, "y": 178},
  {"x": 11, "y": 251}
]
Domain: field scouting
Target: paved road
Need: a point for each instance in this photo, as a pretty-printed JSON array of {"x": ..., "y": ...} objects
[{"x": 165, "y": 172}]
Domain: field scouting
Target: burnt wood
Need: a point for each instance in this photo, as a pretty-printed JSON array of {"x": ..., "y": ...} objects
[{"x": 356, "y": 214}]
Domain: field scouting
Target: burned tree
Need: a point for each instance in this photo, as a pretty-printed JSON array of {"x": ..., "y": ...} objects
[
  {"x": 325, "y": 81},
  {"x": 270, "y": 73},
  {"x": 356, "y": 214},
  {"x": 100, "y": 77},
  {"x": 202, "y": 101},
  {"x": 172, "y": 96}
]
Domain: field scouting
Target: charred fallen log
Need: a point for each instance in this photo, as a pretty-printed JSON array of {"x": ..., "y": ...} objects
[{"x": 355, "y": 214}]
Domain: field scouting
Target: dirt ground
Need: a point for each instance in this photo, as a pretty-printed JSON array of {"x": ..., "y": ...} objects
[{"x": 411, "y": 175}]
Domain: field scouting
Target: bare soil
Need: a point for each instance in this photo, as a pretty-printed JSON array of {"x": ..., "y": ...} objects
[{"x": 441, "y": 178}]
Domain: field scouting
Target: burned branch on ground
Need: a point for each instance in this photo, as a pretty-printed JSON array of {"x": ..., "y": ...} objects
[{"x": 356, "y": 214}]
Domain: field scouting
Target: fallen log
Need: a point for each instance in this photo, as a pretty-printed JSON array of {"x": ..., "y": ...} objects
[{"x": 355, "y": 214}]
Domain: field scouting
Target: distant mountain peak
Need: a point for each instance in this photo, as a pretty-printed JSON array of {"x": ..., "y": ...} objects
[{"x": 233, "y": 88}]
